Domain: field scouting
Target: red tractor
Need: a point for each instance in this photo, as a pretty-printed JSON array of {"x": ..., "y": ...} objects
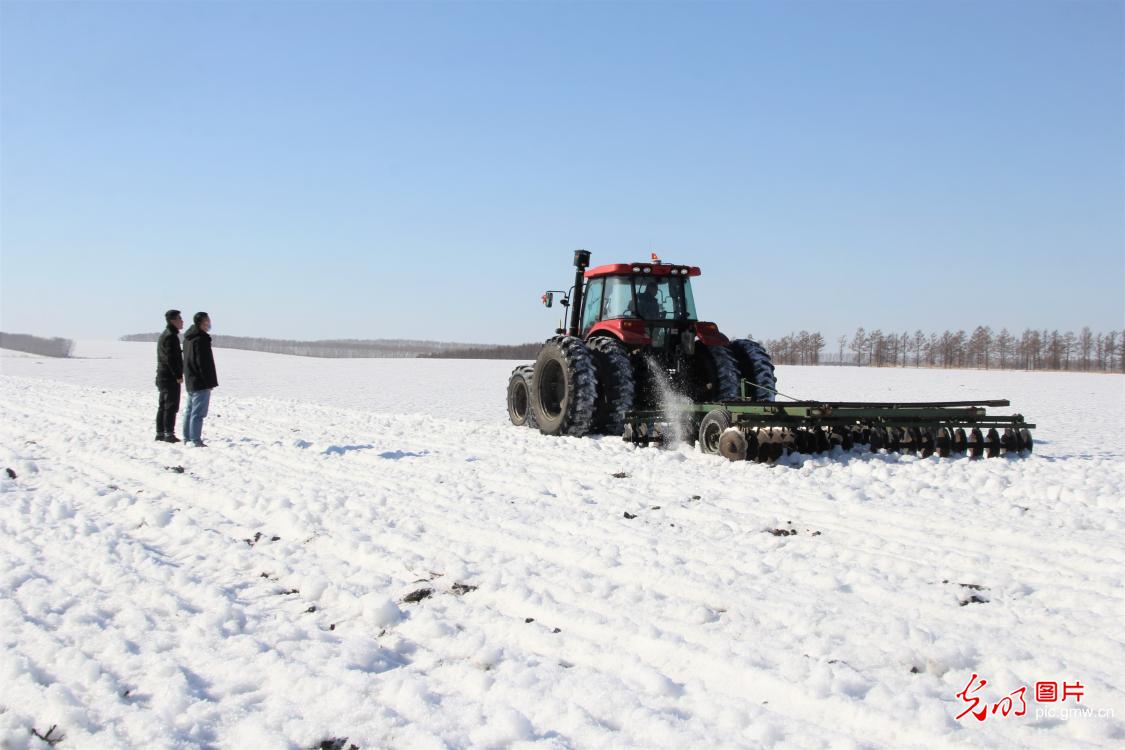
[{"x": 631, "y": 335}]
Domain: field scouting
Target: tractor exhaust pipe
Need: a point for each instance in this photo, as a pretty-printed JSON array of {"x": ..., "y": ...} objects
[{"x": 581, "y": 263}]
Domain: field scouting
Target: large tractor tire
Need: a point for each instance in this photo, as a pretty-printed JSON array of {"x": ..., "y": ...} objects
[
  {"x": 716, "y": 374},
  {"x": 616, "y": 384},
  {"x": 564, "y": 388},
  {"x": 755, "y": 366},
  {"x": 519, "y": 397}
]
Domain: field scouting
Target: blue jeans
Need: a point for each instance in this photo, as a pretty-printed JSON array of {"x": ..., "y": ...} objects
[{"x": 194, "y": 412}]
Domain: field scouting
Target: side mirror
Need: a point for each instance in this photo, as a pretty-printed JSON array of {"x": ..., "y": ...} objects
[{"x": 548, "y": 299}]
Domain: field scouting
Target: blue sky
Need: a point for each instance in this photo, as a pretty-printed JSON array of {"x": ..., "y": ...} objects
[{"x": 424, "y": 170}]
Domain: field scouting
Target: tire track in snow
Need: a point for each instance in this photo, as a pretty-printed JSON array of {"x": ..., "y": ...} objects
[
  {"x": 452, "y": 514},
  {"x": 711, "y": 598}
]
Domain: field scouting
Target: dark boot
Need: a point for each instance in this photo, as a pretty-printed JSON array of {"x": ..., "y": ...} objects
[{"x": 171, "y": 439}]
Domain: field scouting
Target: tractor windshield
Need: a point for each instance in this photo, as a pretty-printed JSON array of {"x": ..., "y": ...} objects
[{"x": 648, "y": 298}]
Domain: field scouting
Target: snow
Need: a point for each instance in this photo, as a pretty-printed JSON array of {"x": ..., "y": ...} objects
[{"x": 261, "y": 598}]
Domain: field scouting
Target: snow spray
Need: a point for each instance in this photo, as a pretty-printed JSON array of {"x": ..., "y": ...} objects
[{"x": 673, "y": 403}]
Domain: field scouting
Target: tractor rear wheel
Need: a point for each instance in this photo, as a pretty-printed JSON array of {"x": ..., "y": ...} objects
[
  {"x": 616, "y": 385},
  {"x": 519, "y": 397},
  {"x": 756, "y": 367},
  {"x": 564, "y": 387}
]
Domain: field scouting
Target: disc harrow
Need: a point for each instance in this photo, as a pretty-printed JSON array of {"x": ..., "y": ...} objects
[{"x": 765, "y": 431}]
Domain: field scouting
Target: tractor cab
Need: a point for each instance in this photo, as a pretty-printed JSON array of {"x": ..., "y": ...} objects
[
  {"x": 653, "y": 293},
  {"x": 646, "y": 304}
]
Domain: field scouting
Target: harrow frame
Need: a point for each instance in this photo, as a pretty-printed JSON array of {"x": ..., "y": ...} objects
[{"x": 766, "y": 430}]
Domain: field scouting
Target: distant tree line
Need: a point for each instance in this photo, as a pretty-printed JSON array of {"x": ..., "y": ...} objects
[
  {"x": 332, "y": 348},
  {"x": 504, "y": 351},
  {"x": 22, "y": 342},
  {"x": 1085, "y": 351}
]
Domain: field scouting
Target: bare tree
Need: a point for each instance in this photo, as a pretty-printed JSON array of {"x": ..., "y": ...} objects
[
  {"x": 1067, "y": 345},
  {"x": 859, "y": 344},
  {"x": 1109, "y": 348},
  {"x": 816, "y": 344},
  {"x": 918, "y": 345},
  {"x": 1085, "y": 346},
  {"x": 875, "y": 348},
  {"x": 1004, "y": 348},
  {"x": 980, "y": 347}
]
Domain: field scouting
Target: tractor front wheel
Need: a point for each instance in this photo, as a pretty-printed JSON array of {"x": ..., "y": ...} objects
[{"x": 564, "y": 387}]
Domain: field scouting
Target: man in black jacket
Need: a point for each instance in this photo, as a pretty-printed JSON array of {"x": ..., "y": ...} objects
[
  {"x": 199, "y": 372},
  {"x": 169, "y": 375}
]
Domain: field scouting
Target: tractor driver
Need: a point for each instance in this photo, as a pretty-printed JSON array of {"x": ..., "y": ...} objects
[{"x": 648, "y": 306}]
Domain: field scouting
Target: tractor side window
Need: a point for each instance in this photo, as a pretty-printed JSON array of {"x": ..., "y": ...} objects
[
  {"x": 689, "y": 300},
  {"x": 619, "y": 298},
  {"x": 592, "y": 305}
]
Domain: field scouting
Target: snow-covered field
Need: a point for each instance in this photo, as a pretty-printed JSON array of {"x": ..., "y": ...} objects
[{"x": 258, "y": 599}]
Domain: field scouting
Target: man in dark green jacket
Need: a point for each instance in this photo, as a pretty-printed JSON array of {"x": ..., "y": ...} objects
[
  {"x": 199, "y": 372},
  {"x": 169, "y": 376}
]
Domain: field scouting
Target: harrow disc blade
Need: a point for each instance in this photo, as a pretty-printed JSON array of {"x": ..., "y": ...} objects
[
  {"x": 992, "y": 443},
  {"x": 804, "y": 441},
  {"x": 894, "y": 439},
  {"x": 1025, "y": 440},
  {"x": 822, "y": 443},
  {"x": 835, "y": 437},
  {"x": 928, "y": 442},
  {"x": 777, "y": 446},
  {"x": 944, "y": 442},
  {"x": 911, "y": 440},
  {"x": 877, "y": 439},
  {"x": 733, "y": 445},
  {"x": 976, "y": 443},
  {"x": 1009, "y": 441},
  {"x": 763, "y": 440},
  {"x": 847, "y": 439},
  {"x": 960, "y": 440}
]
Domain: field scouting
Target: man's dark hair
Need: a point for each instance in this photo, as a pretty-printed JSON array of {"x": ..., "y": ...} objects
[
  {"x": 200, "y": 317},
  {"x": 171, "y": 315}
]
